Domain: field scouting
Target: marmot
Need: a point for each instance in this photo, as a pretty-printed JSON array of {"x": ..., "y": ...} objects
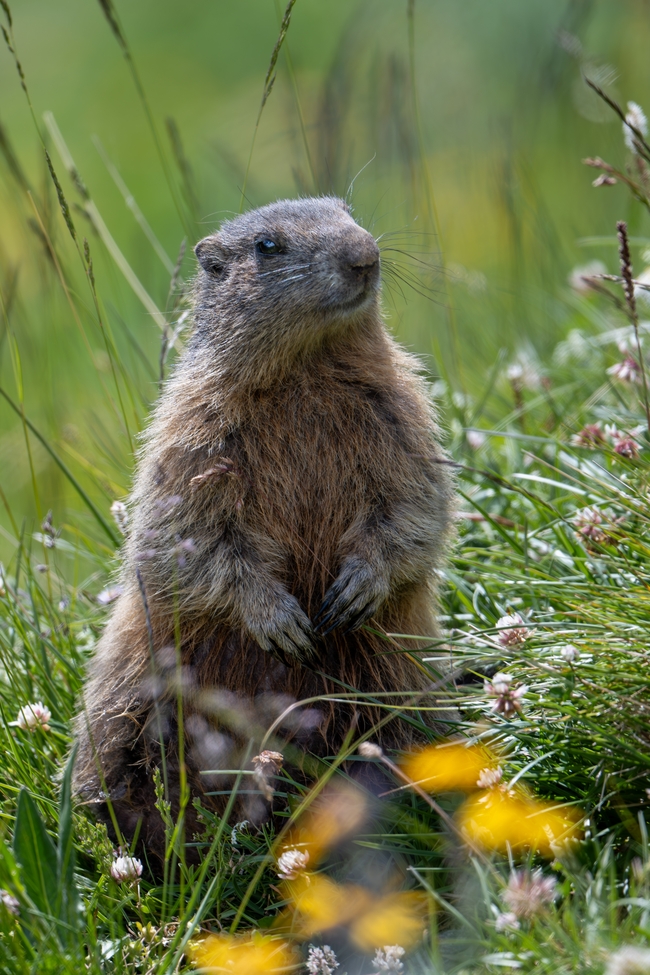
[{"x": 290, "y": 489}]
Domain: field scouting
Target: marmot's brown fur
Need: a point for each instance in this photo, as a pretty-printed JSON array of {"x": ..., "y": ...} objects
[{"x": 290, "y": 489}]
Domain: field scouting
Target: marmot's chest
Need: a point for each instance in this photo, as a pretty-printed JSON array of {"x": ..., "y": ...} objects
[{"x": 318, "y": 461}]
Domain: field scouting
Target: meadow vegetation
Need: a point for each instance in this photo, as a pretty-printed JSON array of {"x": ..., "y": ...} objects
[{"x": 521, "y": 841}]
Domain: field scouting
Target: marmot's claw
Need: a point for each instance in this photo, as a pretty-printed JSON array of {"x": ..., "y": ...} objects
[
  {"x": 354, "y": 597},
  {"x": 286, "y": 632}
]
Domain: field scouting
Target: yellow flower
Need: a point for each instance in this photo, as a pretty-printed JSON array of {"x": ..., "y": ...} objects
[
  {"x": 325, "y": 904},
  {"x": 251, "y": 954},
  {"x": 497, "y": 819},
  {"x": 394, "y": 919},
  {"x": 449, "y": 767},
  {"x": 372, "y": 921},
  {"x": 334, "y": 815}
]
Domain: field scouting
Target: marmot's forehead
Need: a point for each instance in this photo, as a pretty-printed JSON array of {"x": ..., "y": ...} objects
[{"x": 315, "y": 214}]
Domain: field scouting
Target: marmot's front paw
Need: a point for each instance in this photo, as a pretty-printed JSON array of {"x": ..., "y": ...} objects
[
  {"x": 284, "y": 630},
  {"x": 354, "y": 597}
]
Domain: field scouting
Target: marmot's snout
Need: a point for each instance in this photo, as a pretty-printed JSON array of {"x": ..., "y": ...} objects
[{"x": 359, "y": 259}]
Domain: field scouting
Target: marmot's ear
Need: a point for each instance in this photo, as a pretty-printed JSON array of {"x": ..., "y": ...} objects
[{"x": 211, "y": 255}]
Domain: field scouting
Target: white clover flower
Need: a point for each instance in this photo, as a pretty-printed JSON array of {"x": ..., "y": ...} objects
[
  {"x": 506, "y": 700},
  {"x": 33, "y": 716},
  {"x": 9, "y": 901},
  {"x": 635, "y": 116},
  {"x": 630, "y": 960},
  {"x": 291, "y": 863},
  {"x": 578, "y": 274},
  {"x": 529, "y": 893},
  {"x": 570, "y": 653},
  {"x": 387, "y": 959},
  {"x": 121, "y": 515},
  {"x": 587, "y": 521},
  {"x": 475, "y": 439},
  {"x": 513, "y": 630},
  {"x": 489, "y": 777},
  {"x": 612, "y": 432},
  {"x": 321, "y": 961},
  {"x": 506, "y": 921},
  {"x": 109, "y": 595},
  {"x": 124, "y": 869},
  {"x": 524, "y": 374}
]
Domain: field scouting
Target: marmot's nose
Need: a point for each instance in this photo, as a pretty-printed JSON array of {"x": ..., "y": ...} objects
[{"x": 361, "y": 257}]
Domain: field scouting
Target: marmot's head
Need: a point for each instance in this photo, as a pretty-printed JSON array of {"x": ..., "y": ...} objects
[{"x": 294, "y": 267}]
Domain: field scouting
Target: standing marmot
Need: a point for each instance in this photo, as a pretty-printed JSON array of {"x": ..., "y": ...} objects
[{"x": 290, "y": 489}]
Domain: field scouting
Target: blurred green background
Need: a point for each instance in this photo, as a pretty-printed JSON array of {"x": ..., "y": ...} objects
[{"x": 477, "y": 181}]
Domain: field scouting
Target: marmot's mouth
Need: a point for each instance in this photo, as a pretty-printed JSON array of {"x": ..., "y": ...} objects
[{"x": 354, "y": 304}]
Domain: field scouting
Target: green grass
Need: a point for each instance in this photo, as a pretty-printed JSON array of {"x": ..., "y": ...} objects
[{"x": 92, "y": 317}]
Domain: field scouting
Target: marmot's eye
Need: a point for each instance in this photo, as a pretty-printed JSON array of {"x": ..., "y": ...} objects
[{"x": 267, "y": 246}]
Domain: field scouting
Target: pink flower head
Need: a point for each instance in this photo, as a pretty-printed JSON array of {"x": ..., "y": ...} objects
[
  {"x": 626, "y": 446},
  {"x": 512, "y": 630},
  {"x": 628, "y": 371},
  {"x": 587, "y": 521},
  {"x": 506, "y": 698},
  {"x": 529, "y": 893},
  {"x": 591, "y": 435}
]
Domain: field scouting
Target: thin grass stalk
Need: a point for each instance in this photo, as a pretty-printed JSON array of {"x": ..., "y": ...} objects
[
  {"x": 269, "y": 81},
  {"x": 71, "y": 304},
  {"x": 181, "y": 939},
  {"x": 132, "y": 204},
  {"x": 98, "y": 223},
  {"x": 115, "y": 25},
  {"x": 92, "y": 507},
  {"x": 296, "y": 94},
  {"x": 628, "y": 288}
]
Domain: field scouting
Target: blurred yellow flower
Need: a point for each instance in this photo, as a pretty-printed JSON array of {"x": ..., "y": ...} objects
[
  {"x": 393, "y": 919},
  {"x": 449, "y": 767},
  {"x": 372, "y": 921},
  {"x": 498, "y": 819},
  {"x": 325, "y": 904},
  {"x": 333, "y": 816},
  {"x": 251, "y": 954}
]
